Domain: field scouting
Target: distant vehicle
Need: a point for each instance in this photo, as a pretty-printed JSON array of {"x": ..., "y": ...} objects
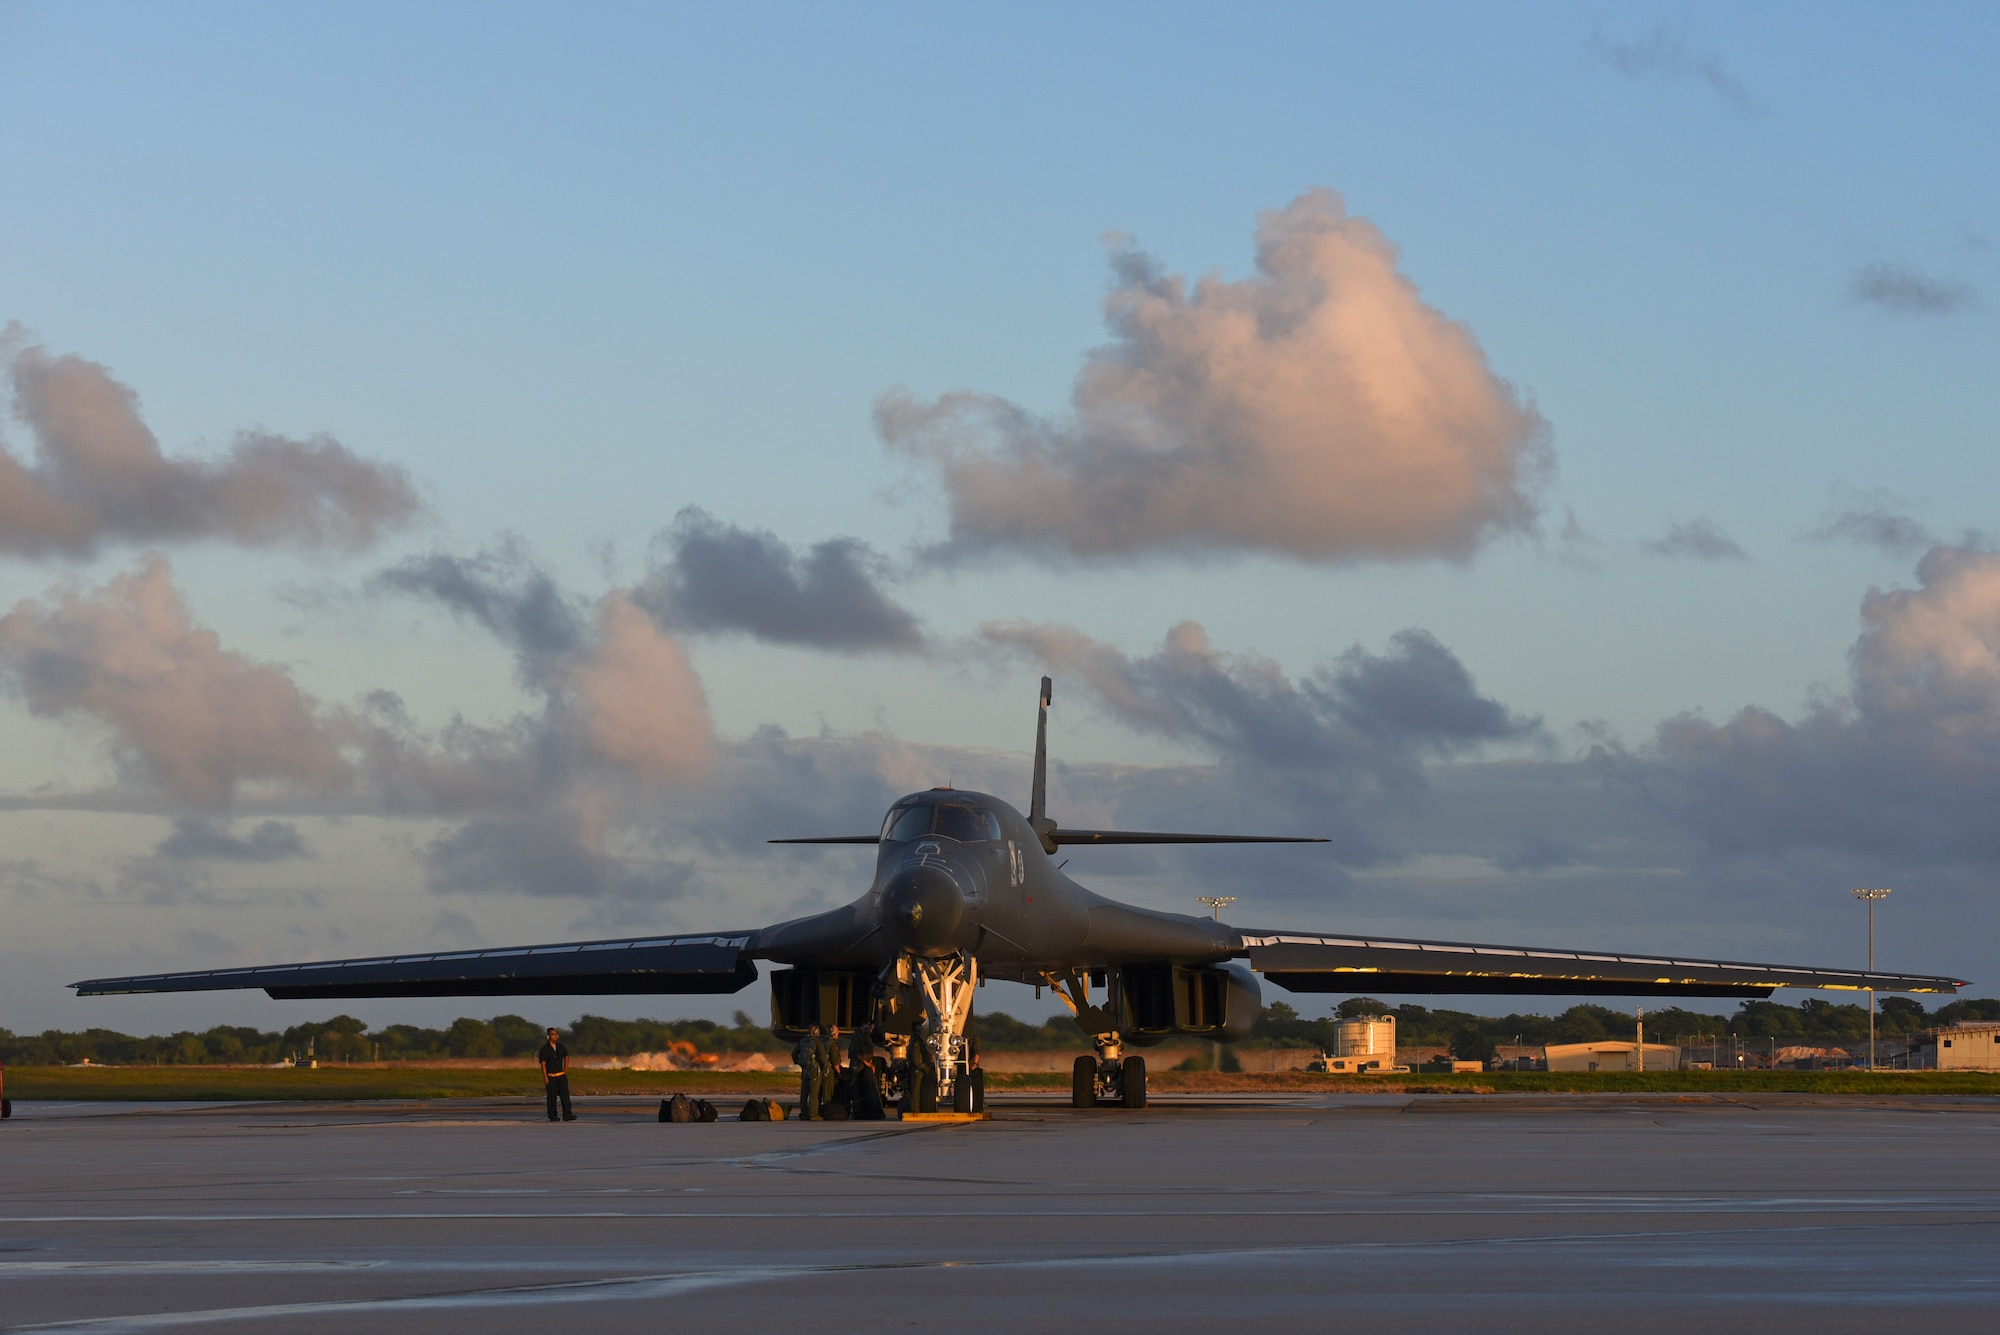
[{"x": 966, "y": 887}]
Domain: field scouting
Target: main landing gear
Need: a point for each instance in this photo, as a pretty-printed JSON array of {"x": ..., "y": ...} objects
[
  {"x": 1109, "y": 1078},
  {"x": 1108, "y": 1082}
]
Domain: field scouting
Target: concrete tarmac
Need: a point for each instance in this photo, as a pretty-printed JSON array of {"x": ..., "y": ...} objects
[{"x": 1364, "y": 1213}]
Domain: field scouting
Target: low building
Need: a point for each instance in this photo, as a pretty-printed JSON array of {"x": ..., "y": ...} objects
[
  {"x": 1610, "y": 1055},
  {"x": 1958, "y": 1047}
]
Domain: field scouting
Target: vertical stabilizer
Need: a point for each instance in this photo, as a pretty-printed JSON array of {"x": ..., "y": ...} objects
[{"x": 1038, "y": 796}]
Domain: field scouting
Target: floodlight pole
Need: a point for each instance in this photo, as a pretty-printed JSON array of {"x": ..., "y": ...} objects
[
  {"x": 1216, "y": 903},
  {"x": 1869, "y": 897}
]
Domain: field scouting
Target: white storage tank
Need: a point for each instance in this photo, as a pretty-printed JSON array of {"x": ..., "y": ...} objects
[{"x": 1366, "y": 1037}]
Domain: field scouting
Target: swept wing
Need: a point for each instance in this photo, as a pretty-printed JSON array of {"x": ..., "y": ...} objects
[
  {"x": 652, "y": 964},
  {"x": 1302, "y": 962}
]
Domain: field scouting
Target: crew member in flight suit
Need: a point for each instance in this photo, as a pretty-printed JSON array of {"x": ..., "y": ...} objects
[
  {"x": 805, "y": 1053},
  {"x": 555, "y": 1075},
  {"x": 923, "y": 1069},
  {"x": 861, "y": 1071},
  {"x": 829, "y": 1067}
]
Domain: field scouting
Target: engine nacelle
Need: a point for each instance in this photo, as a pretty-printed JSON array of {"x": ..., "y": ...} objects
[{"x": 1214, "y": 1001}]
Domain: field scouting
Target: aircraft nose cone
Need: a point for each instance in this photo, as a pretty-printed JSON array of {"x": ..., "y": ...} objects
[{"x": 922, "y": 906}]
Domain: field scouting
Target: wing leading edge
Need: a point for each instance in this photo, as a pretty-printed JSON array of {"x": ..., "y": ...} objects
[
  {"x": 1307, "y": 963},
  {"x": 654, "y": 964}
]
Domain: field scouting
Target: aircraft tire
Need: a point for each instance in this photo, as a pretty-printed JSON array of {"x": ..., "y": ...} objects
[
  {"x": 1083, "y": 1083},
  {"x": 977, "y": 1081},
  {"x": 1133, "y": 1078},
  {"x": 924, "y": 1095},
  {"x": 961, "y": 1093}
]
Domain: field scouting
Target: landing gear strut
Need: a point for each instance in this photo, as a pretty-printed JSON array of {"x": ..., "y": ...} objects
[
  {"x": 947, "y": 984},
  {"x": 1110, "y": 1077}
]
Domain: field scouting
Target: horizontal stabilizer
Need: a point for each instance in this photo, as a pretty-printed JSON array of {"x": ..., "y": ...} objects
[
  {"x": 1302, "y": 963},
  {"x": 648, "y": 965},
  {"x": 1065, "y": 836}
]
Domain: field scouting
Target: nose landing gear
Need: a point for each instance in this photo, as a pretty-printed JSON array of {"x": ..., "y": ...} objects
[{"x": 940, "y": 1076}]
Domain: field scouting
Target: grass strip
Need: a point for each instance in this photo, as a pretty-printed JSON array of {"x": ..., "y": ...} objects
[
  {"x": 166, "y": 1084},
  {"x": 169, "y": 1084}
]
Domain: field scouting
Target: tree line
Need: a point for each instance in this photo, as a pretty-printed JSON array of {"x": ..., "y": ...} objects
[{"x": 346, "y": 1039}]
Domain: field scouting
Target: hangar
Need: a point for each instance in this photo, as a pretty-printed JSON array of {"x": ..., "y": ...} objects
[
  {"x": 1611, "y": 1055},
  {"x": 1959, "y": 1047}
]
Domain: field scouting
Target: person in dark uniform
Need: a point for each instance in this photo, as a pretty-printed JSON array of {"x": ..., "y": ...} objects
[
  {"x": 923, "y": 1070},
  {"x": 829, "y": 1067},
  {"x": 805, "y": 1053},
  {"x": 555, "y": 1075},
  {"x": 867, "y": 1090}
]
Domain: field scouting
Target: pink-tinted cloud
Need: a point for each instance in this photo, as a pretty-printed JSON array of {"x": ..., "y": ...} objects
[
  {"x": 1320, "y": 410},
  {"x": 546, "y": 794},
  {"x": 643, "y": 707},
  {"x": 1907, "y": 761},
  {"x": 99, "y": 475},
  {"x": 197, "y": 718}
]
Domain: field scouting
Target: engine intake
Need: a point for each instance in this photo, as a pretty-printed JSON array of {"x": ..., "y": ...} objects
[{"x": 1220, "y": 1002}]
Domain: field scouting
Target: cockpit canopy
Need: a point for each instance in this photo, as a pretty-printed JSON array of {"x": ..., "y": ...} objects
[{"x": 959, "y": 821}]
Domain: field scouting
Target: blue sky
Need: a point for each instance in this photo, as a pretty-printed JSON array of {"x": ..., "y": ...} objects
[{"x": 573, "y": 273}]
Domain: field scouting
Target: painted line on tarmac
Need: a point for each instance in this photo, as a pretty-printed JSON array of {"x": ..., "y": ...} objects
[
  {"x": 1458, "y": 1206},
  {"x": 10, "y": 1269},
  {"x": 638, "y": 1288}
]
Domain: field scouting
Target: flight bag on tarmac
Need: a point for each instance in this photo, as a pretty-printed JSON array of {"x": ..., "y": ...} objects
[
  {"x": 754, "y": 1111},
  {"x": 704, "y": 1111}
]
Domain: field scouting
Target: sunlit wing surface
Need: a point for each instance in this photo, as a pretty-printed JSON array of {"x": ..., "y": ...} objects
[
  {"x": 1064, "y": 837},
  {"x": 652, "y": 964},
  {"x": 1305, "y": 963}
]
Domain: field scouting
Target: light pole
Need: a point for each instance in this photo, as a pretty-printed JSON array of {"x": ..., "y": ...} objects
[
  {"x": 1870, "y": 896},
  {"x": 1216, "y": 904}
]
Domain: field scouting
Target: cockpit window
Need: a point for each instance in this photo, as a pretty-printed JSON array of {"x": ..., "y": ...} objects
[
  {"x": 966, "y": 824},
  {"x": 907, "y": 823}
]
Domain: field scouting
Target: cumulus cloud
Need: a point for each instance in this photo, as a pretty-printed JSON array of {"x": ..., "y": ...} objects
[
  {"x": 620, "y": 712},
  {"x": 555, "y": 850},
  {"x": 198, "y": 719},
  {"x": 1363, "y": 715},
  {"x": 197, "y": 840},
  {"x": 1901, "y": 290},
  {"x": 507, "y": 593},
  {"x": 1698, "y": 539},
  {"x": 1874, "y": 522},
  {"x": 1319, "y": 410},
  {"x": 99, "y": 475},
  {"x": 721, "y": 578},
  {"x": 1665, "y": 53},
  {"x": 643, "y": 707},
  {"x": 1906, "y": 761}
]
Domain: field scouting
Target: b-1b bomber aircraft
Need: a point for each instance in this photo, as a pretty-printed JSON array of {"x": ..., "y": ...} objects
[{"x": 967, "y": 888}]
